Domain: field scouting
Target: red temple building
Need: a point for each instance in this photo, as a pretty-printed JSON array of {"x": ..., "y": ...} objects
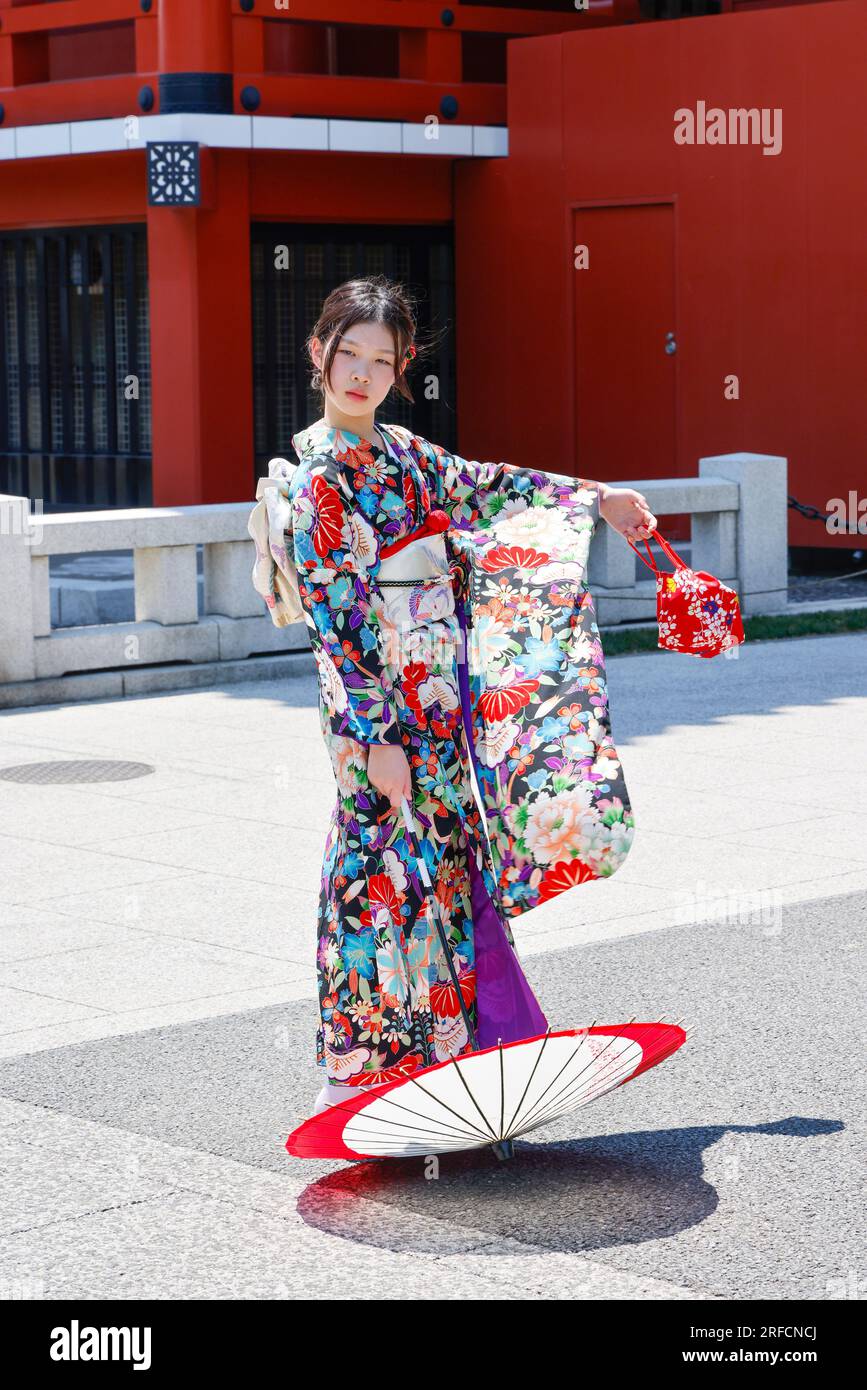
[{"x": 631, "y": 276}]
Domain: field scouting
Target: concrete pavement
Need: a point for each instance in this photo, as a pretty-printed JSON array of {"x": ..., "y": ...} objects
[{"x": 157, "y": 1010}]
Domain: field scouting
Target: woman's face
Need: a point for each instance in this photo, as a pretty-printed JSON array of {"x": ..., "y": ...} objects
[{"x": 362, "y": 372}]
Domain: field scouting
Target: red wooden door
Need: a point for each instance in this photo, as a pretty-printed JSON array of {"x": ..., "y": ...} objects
[{"x": 626, "y": 342}]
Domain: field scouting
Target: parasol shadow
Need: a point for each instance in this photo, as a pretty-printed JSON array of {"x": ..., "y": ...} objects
[{"x": 576, "y": 1195}]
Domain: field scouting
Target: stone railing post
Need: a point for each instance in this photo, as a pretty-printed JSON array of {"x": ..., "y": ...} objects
[
  {"x": 165, "y": 584},
  {"x": 17, "y": 654},
  {"x": 762, "y": 531},
  {"x": 228, "y": 568}
]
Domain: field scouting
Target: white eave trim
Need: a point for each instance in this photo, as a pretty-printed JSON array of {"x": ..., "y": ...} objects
[{"x": 253, "y": 133}]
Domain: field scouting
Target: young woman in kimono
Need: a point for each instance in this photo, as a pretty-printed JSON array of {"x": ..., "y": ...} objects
[{"x": 405, "y": 717}]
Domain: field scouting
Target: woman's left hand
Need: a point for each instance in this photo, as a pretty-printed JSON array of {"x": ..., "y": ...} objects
[{"x": 628, "y": 512}]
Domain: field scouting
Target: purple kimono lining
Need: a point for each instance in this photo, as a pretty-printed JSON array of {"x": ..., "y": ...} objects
[{"x": 506, "y": 1006}]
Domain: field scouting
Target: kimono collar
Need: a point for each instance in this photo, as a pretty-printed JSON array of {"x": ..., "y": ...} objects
[{"x": 321, "y": 438}]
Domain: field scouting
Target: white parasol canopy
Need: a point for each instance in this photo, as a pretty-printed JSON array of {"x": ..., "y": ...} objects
[{"x": 486, "y": 1098}]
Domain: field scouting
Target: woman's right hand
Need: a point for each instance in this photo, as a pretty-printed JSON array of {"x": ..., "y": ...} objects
[{"x": 389, "y": 771}]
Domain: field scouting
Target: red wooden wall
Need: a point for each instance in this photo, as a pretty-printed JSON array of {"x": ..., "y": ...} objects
[{"x": 763, "y": 258}]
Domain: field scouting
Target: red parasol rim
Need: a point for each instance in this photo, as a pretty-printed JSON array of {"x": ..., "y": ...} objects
[{"x": 321, "y": 1136}]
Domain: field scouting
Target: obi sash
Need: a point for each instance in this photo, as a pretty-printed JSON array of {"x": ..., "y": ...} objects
[{"x": 414, "y": 579}]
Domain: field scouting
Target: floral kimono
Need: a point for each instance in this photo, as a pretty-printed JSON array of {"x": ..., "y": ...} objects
[{"x": 518, "y": 793}]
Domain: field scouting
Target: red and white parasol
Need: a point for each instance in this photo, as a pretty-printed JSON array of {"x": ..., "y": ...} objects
[{"x": 488, "y": 1097}]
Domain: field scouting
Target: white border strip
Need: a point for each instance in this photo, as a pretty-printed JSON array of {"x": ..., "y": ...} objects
[{"x": 253, "y": 133}]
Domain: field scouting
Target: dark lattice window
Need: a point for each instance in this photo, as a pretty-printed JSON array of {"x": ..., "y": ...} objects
[{"x": 75, "y": 382}]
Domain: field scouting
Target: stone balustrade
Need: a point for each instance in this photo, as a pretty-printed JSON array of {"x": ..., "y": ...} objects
[{"x": 737, "y": 504}]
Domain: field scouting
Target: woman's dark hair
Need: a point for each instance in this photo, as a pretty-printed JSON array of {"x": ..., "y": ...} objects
[{"x": 374, "y": 299}]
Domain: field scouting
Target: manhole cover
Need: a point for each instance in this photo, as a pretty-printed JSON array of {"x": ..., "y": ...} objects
[{"x": 82, "y": 770}]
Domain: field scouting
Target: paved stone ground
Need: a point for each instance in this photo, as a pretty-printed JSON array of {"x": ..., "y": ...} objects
[{"x": 157, "y": 1011}]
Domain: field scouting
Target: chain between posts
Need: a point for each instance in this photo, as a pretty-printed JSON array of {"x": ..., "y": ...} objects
[{"x": 808, "y": 510}]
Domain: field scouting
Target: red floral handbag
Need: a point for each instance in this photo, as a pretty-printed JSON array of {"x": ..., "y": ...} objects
[{"x": 697, "y": 614}]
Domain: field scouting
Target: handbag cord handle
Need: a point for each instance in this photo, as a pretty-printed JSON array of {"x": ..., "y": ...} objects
[{"x": 669, "y": 550}]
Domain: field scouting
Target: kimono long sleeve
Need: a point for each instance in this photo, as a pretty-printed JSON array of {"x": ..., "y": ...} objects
[
  {"x": 477, "y": 494},
  {"x": 336, "y": 551}
]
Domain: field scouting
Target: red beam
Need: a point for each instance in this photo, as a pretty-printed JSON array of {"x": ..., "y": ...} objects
[
  {"x": 481, "y": 103},
  {"x": 91, "y": 98},
  {"x": 66, "y": 14},
  {"x": 62, "y": 192},
  {"x": 301, "y": 186},
  {"x": 427, "y": 14},
  {"x": 87, "y": 98}
]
